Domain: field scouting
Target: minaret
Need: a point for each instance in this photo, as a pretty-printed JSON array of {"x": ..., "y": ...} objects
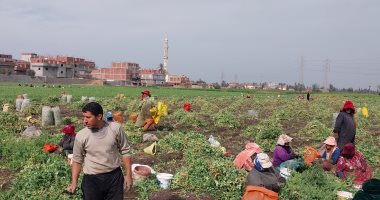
[{"x": 166, "y": 58}]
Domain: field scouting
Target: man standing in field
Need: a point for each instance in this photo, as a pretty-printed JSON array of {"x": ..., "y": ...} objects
[{"x": 99, "y": 147}]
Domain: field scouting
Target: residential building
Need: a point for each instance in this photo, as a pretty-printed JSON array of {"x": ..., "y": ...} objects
[
  {"x": 21, "y": 67},
  {"x": 7, "y": 63},
  {"x": 121, "y": 73},
  {"x": 177, "y": 80},
  {"x": 27, "y": 56},
  {"x": 152, "y": 77},
  {"x": 60, "y": 66}
]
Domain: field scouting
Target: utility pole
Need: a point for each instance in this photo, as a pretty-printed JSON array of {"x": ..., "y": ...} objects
[
  {"x": 301, "y": 70},
  {"x": 326, "y": 70},
  {"x": 235, "y": 78}
]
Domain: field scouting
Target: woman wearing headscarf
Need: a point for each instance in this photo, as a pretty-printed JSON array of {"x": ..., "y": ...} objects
[
  {"x": 345, "y": 125},
  {"x": 283, "y": 152},
  {"x": 245, "y": 158},
  {"x": 67, "y": 142},
  {"x": 331, "y": 153},
  {"x": 352, "y": 162}
]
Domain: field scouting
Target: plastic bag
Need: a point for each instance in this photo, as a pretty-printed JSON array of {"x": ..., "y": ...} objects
[
  {"x": 213, "y": 142},
  {"x": 365, "y": 111},
  {"x": 310, "y": 155},
  {"x": 253, "y": 113},
  {"x": 159, "y": 111}
]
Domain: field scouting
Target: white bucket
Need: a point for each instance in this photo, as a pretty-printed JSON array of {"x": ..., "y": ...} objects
[
  {"x": 164, "y": 179},
  {"x": 137, "y": 177},
  {"x": 343, "y": 195}
]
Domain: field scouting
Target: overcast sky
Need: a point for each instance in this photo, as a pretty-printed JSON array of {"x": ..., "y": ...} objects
[{"x": 250, "y": 40}]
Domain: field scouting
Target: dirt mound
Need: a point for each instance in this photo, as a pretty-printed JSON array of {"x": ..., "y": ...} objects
[{"x": 95, "y": 82}]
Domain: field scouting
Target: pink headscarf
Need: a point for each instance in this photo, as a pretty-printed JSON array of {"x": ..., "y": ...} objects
[{"x": 243, "y": 159}]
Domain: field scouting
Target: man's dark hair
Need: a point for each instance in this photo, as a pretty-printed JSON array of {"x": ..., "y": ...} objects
[{"x": 94, "y": 108}]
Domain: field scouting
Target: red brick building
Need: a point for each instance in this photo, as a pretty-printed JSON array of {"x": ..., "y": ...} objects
[
  {"x": 7, "y": 64},
  {"x": 121, "y": 73}
]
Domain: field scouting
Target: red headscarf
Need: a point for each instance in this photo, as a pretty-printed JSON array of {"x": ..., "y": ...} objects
[
  {"x": 69, "y": 129},
  {"x": 145, "y": 92},
  {"x": 348, "y": 105},
  {"x": 348, "y": 150}
]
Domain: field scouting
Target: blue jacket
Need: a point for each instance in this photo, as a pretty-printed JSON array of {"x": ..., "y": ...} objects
[{"x": 334, "y": 157}]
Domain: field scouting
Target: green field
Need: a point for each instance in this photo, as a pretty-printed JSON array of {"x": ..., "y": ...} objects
[{"x": 201, "y": 172}]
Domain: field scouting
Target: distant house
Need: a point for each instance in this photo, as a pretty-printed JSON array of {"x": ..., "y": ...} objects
[
  {"x": 121, "y": 73},
  {"x": 250, "y": 85},
  {"x": 7, "y": 63},
  {"x": 177, "y": 80},
  {"x": 152, "y": 77},
  {"x": 21, "y": 67},
  {"x": 60, "y": 66}
]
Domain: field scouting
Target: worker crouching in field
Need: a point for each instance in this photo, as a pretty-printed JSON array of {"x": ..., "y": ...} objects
[
  {"x": 283, "y": 152},
  {"x": 284, "y": 156},
  {"x": 331, "y": 154},
  {"x": 263, "y": 182},
  {"x": 145, "y": 105},
  {"x": 67, "y": 142},
  {"x": 352, "y": 162},
  {"x": 245, "y": 158}
]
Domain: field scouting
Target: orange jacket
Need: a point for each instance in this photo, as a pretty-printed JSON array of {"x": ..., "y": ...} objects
[{"x": 259, "y": 193}]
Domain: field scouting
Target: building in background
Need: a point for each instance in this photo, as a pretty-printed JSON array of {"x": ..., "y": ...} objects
[
  {"x": 28, "y": 56},
  {"x": 120, "y": 73},
  {"x": 7, "y": 64},
  {"x": 179, "y": 80},
  {"x": 151, "y": 77},
  {"x": 60, "y": 66}
]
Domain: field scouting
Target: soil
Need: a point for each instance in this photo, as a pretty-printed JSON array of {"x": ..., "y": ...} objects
[
  {"x": 65, "y": 112},
  {"x": 5, "y": 178},
  {"x": 175, "y": 195},
  {"x": 132, "y": 194},
  {"x": 146, "y": 159}
]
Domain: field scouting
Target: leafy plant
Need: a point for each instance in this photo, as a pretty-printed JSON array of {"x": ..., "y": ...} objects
[
  {"x": 313, "y": 184},
  {"x": 225, "y": 118}
]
